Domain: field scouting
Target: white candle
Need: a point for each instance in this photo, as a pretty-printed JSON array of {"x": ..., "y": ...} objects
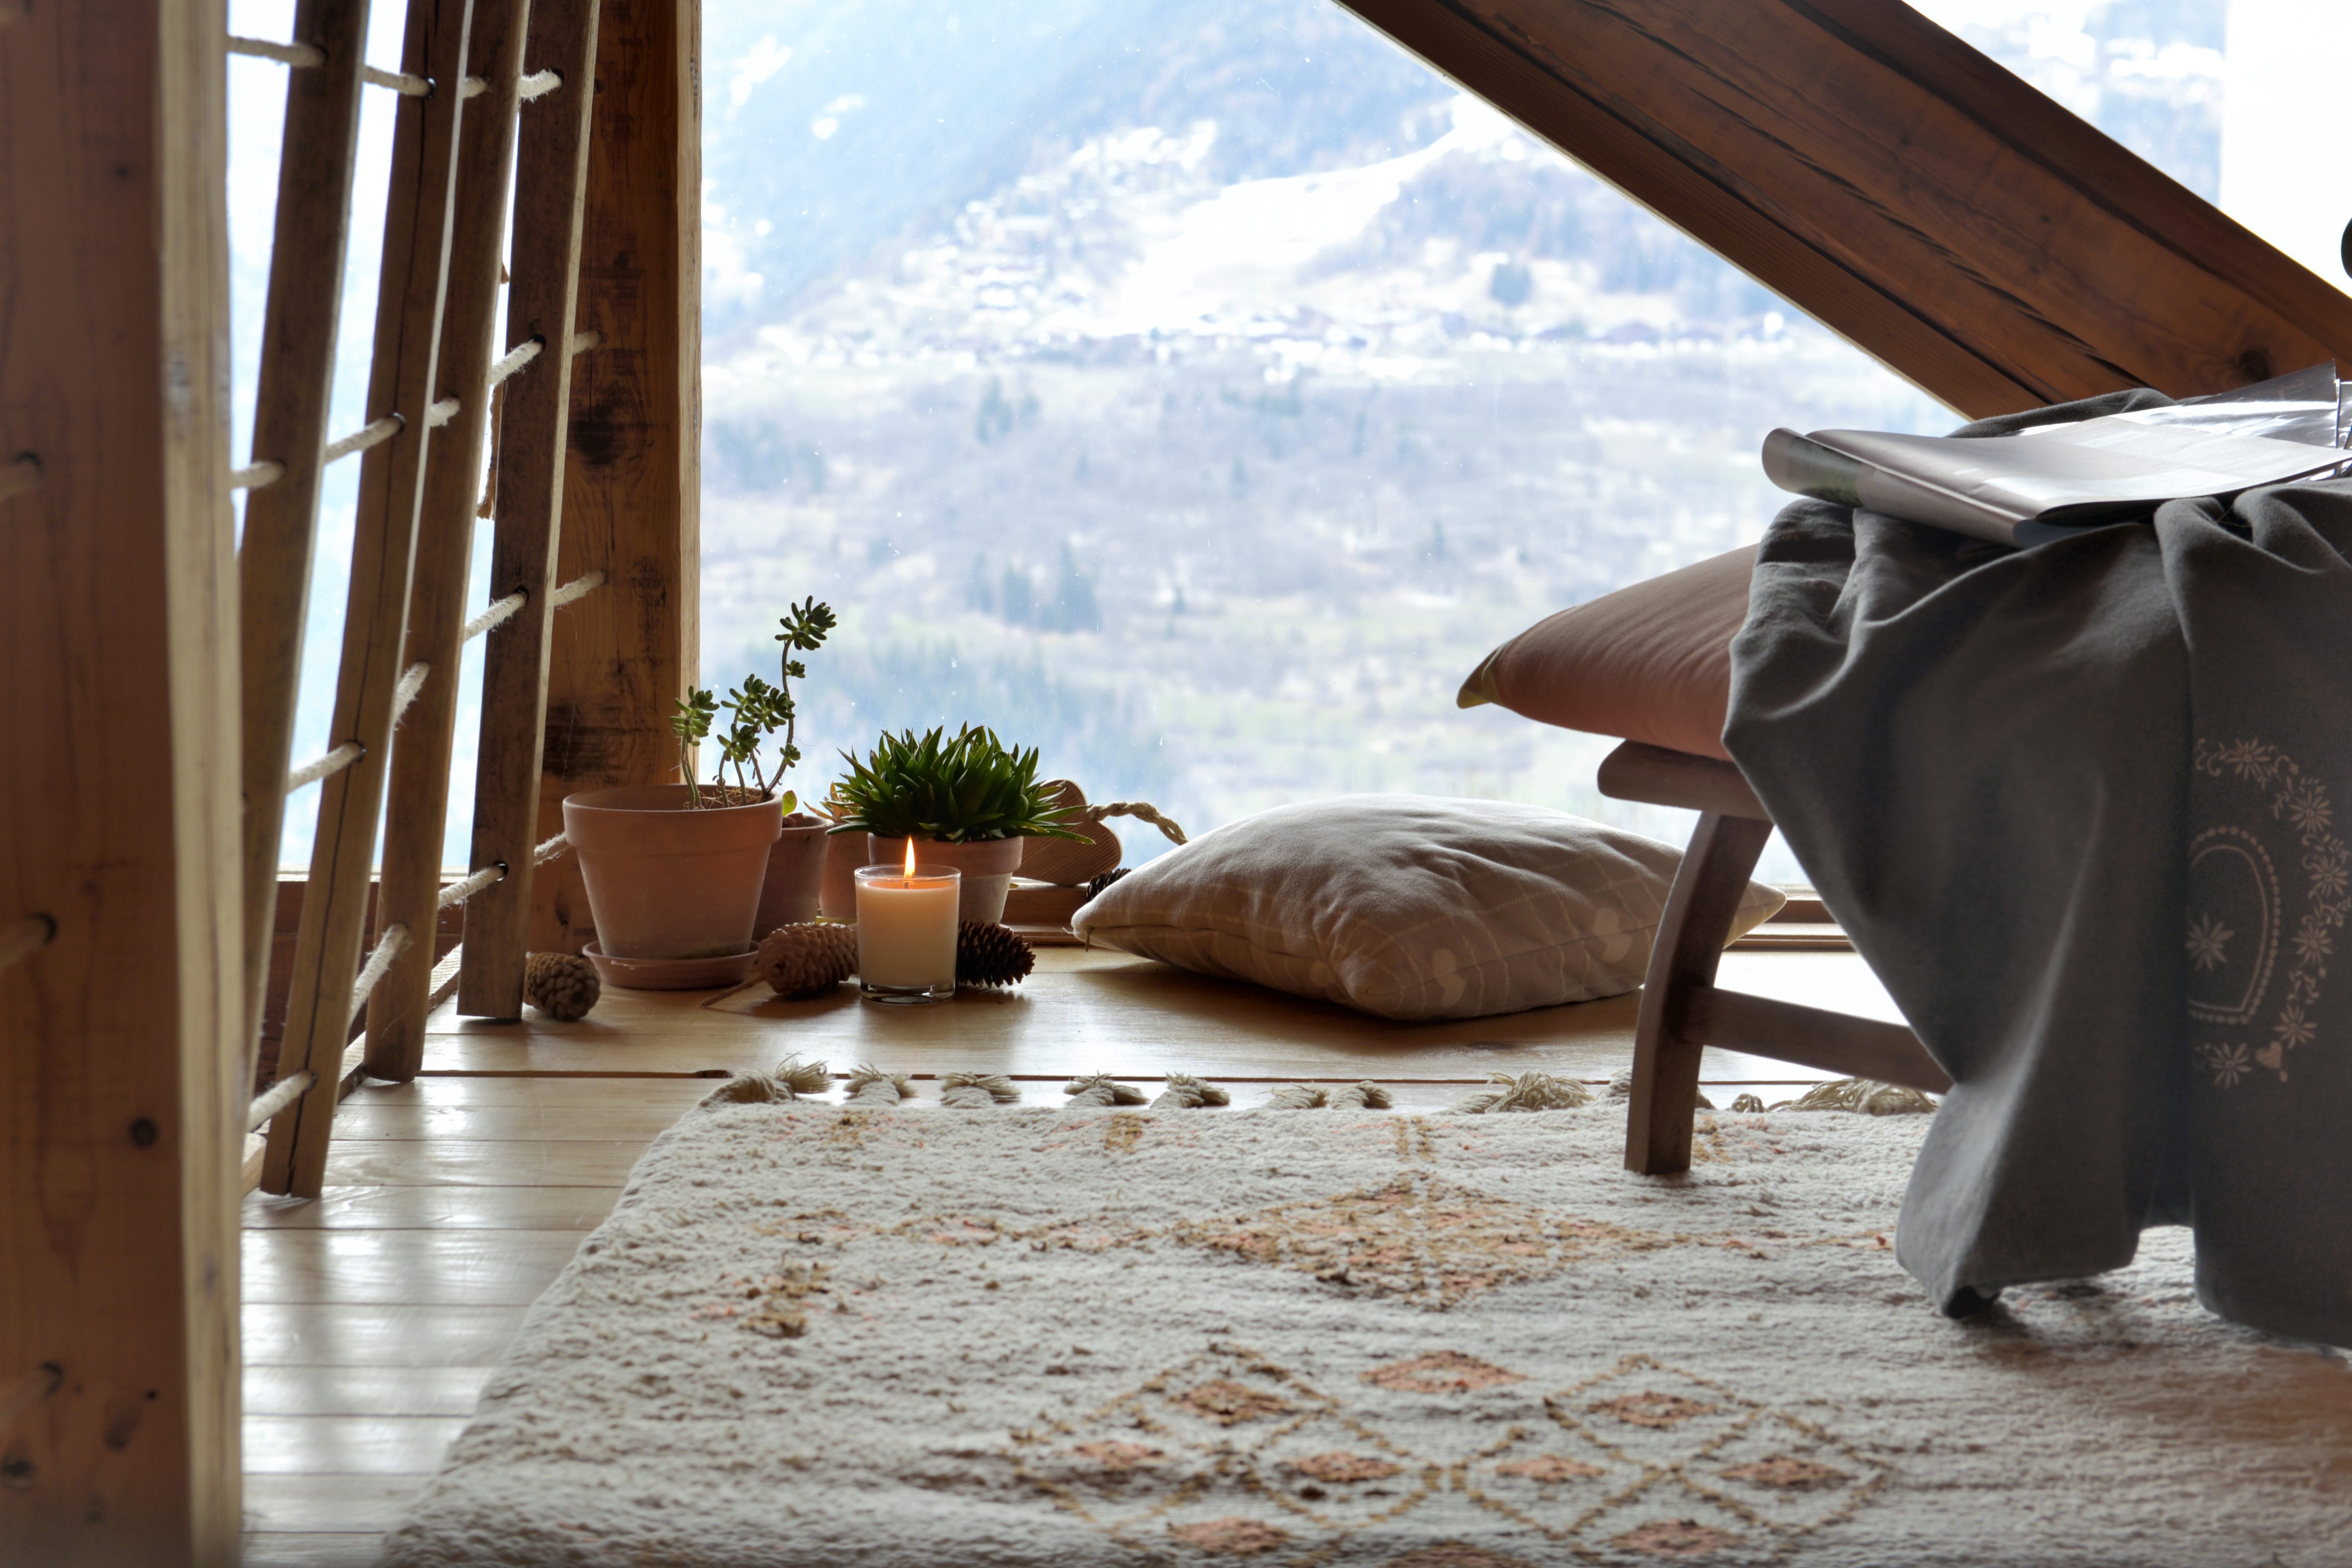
[{"x": 907, "y": 931}]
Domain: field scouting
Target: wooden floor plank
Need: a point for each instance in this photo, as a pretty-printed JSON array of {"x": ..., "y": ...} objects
[
  {"x": 484, "y": 1269},
  {"x": 322, "y": 1505},
  {"x": 273, "y": 1550},
  {"x": 341, "y": 1334},
  {"x": 363, "y": 1390},
  {"x": 347, "y": 1445},
  {"x": 623, "y": 1116},
  {"x": 435, "y": 1208},
  {"x": 449, "y": 1163}
]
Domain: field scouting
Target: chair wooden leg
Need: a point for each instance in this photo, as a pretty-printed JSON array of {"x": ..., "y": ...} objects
[{"x": 1689, "y": 944}]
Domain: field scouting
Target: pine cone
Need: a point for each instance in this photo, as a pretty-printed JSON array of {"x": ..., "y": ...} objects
[
  {"x": 992, "y": 955},
  {"x": 1098, "y": 886},
  {"x": 802, "y": 961},
  {"x": 563, "y": 985}
]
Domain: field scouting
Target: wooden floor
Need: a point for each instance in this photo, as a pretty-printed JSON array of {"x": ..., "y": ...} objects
[{"x": 373, "y": 1316}]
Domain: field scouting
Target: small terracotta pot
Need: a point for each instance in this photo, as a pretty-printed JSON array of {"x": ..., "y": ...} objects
[
  {"x": 987, "y": 868},
  {"x": 795, "y": 874},
  {"x": 664, "y": 880},
  {"x": 838, "y": 897}
]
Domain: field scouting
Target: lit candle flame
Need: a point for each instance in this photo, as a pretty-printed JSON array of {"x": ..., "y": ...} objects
[{"x": 910, "y": 859}]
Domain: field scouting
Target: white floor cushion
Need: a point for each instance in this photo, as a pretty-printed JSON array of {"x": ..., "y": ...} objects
[{"x": 1406, "y": 906}]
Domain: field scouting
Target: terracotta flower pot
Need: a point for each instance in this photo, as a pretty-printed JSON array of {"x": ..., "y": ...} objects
[
  {"x": 664, "y": 881},
  {"x": 795, "y": 874},
  {"x": 987, "y": 868}
]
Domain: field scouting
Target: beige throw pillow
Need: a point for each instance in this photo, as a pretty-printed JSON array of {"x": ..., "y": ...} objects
[{"x": 1406, "y": 906}]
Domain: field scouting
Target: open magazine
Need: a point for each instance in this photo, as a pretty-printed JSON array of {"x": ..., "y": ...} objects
[{"x": 2022, "y": 489}]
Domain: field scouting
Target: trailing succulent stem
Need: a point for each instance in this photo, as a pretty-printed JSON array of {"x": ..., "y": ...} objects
[
  {"x": 966, "y": 790},
  {"x": 755, "y": 711}
]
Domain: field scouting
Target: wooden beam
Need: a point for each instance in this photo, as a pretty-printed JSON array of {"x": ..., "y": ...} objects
[
  {"x": 550, "y": 183},
  {"x": 316, "y": 156},
  {"x": 403, "y": 379},
  {"x": 419, "y": 812},
  {"x": 120, "y": 1033},
  {"x": 1914, "y": 195},
  {"x": 621, "y": 656}
]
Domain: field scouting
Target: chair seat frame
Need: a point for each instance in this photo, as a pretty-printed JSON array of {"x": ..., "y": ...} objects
[{"x": 1684, "y": 1011}]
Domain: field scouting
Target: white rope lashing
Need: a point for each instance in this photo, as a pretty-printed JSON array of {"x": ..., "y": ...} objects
[
  {"x": 301, "y": 57},
  {"x": 441, "y": 413},
  {"x": 278, "y": 1096},
  {"x": 388, "y": 947},
  {"x": 34, "y": 932},
  {"x": 495, "y": 614},
  {"x": 375, "y": 433},
  {"x": 255, "y": 476},
  {"x": 307, "y": 56},
  {"x": 582, "y": 342},
  {"x": 580, "y": 587},
  {"x": 550, "y": 851},
  {"x": 522, "y": 355},
  {"x": 458, "y": 892},
  {"x": 21, "y": 474},
  {"x": 334, "y": 762},
  {"x": 411, "y": 681}
]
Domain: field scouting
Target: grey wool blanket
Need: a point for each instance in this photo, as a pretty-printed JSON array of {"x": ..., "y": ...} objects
[{"x": 2083, "y": 808}]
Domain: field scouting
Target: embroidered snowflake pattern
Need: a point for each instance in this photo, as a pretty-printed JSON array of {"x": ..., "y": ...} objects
[
  {"x": 2294, "y": 1029},
  {"x": 2301, "y": 801},
  {"x": 2209, "y": 942},
  {"x": 2228, "y": 1064}
]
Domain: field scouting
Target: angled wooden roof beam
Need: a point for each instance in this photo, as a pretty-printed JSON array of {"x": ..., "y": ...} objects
[{"x": 1915, "y": 196}]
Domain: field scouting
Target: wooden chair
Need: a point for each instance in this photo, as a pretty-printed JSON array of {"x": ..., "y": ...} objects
[{"x": 1683, "y": 1009}]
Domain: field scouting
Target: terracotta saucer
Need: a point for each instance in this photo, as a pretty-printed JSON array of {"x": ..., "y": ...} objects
[{"x": 669, "y": 973}]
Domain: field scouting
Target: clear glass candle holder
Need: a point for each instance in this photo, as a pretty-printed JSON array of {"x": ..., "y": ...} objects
[{"x": 907, "y": 933}]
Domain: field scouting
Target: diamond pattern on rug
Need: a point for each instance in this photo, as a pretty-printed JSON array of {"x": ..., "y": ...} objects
[
  {"x": 1229, "y": 1455},
  {"x": 1432, "y": 1242}
]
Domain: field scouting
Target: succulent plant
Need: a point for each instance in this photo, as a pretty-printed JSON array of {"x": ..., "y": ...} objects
[
  {"x": 967, "y": 789},
  {"x": 755, "y": 711}
]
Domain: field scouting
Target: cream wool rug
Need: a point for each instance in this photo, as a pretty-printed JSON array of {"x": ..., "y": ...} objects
[{"x": 869, "y": 1338}]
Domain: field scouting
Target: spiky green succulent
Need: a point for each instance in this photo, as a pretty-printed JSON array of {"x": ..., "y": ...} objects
[{"x": 967, "y": 788}]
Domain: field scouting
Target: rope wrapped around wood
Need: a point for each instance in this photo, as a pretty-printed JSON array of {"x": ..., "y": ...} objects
[
  {"x": 388, "y": 947},
  {"x": 301, "y": 57},
  {"x": 580, "y": 587},
  {"x": 278, "y": 1096},
  {"x": 1141, "y": 810},
  {"x": 256, "y": 476},
  {"x": 458, "y": 892},
  {"x": 498, "y": 611},
  {"x": 334, "y": 762},
  {"x": 550, "y": 851},
  {"x": 375, "y": 432},
  {"x": 411, "y": 681},
  {"x": 521, "y": 354}
]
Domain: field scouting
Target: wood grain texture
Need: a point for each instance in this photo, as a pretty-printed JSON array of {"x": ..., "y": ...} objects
[
  {"x": 366, "y": 1334},
  {"x": 1848, "y": 1046},
  {"x": 120, "y": 1109},
  {"x": 270, "y": 1549},
  {"x": 299, "y": 326},
  {"x": 403, "y": 379},
  {"x": 360, "y": 1391},
  {"x": 621, "y": 656},
  {"x": 507, "y": 1268},
  {"x": 417, "y": 806},
  {"x": 1915, "y": 196},
  {"x": 1687, "y": 951},
  {"x": 551, "y": 190},
  {"x": 1663, "y": 776},
  {"x": 340, "y": 1505}
]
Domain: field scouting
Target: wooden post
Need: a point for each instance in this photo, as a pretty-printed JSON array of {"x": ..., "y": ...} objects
[
  {"x": 119, "y": 1033},
  {"x": 289, "y": 428},
  {"x": 402, "y": 381},
  {"x": 550, "y": 182},
  {"x": 418, "y": 813},
  {"x": 619, "y": 657}
]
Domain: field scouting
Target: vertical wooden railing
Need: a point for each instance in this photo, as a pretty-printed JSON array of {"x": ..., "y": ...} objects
[
  {"x": 402, "y": 387},
  {"x": 419, "y": 781},
  {"x": 551, "y": 182},
  {"x": 316, "y": 159},
  {"x": 122, "y": 979}
]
